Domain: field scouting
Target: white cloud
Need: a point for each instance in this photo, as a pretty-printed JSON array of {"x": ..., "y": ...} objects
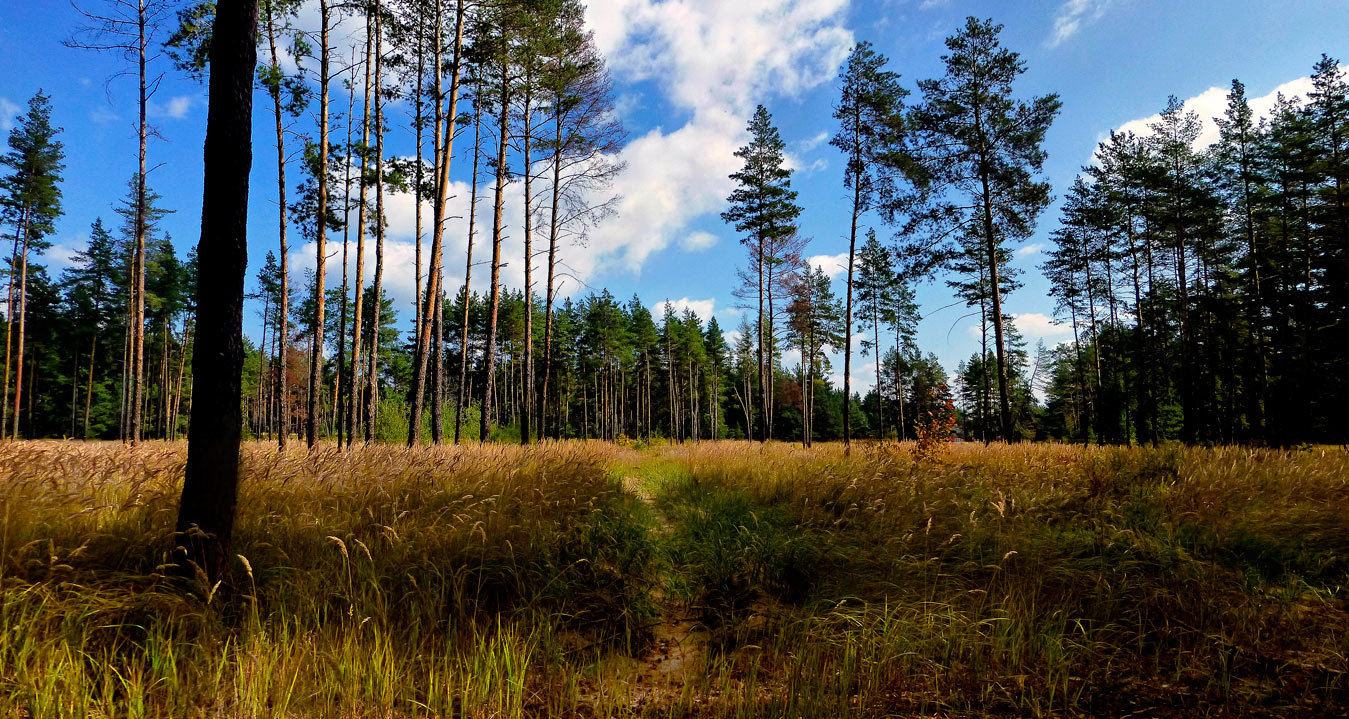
[
  {"x": 698, "y": 241},
  {"x": 176, "y": 108},
  {"x": 863, "y": 375},
  {"x": 8, "y": 111},
  {"x": 714, "y": 60},
  {"x": 713, "y": 56},
  {"x": 62, "y": 254},
  {"x": 1036, "y": 325},
  {"x": 1212, "y": 103},
  {"x": 1033, "y": 248},
  {"x": 811, "y": 143},
  {"x": 1074, "y": 15},
  {"x": 833, "y": 265},
  {"x": 1033, "y": 326},
  {"x": 702, "y": 308},
  {"x": 102, "y": 115}
]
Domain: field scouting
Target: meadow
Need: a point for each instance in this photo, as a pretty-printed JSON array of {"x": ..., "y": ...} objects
[{"x": 720, "y": 579}]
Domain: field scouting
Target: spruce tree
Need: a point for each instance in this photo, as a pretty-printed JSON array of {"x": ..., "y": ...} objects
[{"x": 31, "y": 197}]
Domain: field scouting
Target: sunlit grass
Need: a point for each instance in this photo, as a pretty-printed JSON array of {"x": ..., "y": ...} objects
[{"x": 502, "y": 581}]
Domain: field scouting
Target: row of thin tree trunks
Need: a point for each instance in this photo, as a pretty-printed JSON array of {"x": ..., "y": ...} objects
[{"x": 1199, "y": 413}]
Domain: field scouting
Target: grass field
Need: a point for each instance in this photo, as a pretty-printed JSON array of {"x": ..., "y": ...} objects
[{"x": 719, "y": 579}]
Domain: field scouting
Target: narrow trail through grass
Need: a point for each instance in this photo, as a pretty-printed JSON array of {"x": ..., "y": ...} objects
[{"x": 676, "y": 650}]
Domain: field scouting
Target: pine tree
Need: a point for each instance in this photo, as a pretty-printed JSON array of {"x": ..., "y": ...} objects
[
  {"x": 211, "y": 482},
  {"x": 985, "y": 145},
  {"x": 763, "y": 206},
  {"x": 871, "y": 135}
]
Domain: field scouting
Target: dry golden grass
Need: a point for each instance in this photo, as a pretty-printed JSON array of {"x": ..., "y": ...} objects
[{"x": 505, "y": 581}]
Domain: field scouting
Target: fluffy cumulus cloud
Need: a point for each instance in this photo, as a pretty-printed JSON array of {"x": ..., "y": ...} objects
[
  {"x": 833, "y": 265},
  {"x": 1212, "y": 103},
  {"x": 710, "y": 59},
  {"x": 702, "y": 308},
  {"x": 1035, "y": 326},
  {"x": 1074, "y": 15},
  {"x": 1033, "y": 248},
  {"x": 713, "y": 60}
]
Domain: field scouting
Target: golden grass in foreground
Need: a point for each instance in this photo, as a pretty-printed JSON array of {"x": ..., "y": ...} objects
[{"x": 499, "y": 581}]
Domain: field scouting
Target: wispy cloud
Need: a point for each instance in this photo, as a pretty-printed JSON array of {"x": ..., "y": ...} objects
[
  {"x": 102, "y": 116},
  {"x": 8, "y": 111},
  {"x": 1074, "y": 15},
  {"x": 176, "y": 108},
  {"x": 698, "y": 241},
  {"x": 1033, "y": 248},
  {"x": 810, "y": 143}
]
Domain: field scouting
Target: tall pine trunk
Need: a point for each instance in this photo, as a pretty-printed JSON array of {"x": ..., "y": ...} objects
[
  {"x": 355, "y": 414},
  {"x": 377, "y": 287},
  {"x": 210, "y": 488},
  {"x": 311, "y": 433},
  {"x": 341, "y": 403},
  {"x": 462, "y": 402},
  {"x": 503, "y": 134},
  {"x": 283, "y": 305},
  {"x": 552, "y": 267},
  {"x": 23, "y": 316},
  {"x": 433, "y": 289},
  {"x": 527, "y": 376}
]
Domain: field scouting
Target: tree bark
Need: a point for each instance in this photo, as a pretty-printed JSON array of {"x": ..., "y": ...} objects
[
  {"x": 433, "y": 290},
  {"x": 355, "y": 415},
  {"x": 9, "y": 328},
  {"x": 89, "y": 384},
  {"x": 283, "y": 305},
  {"x": 462, "y": 403},
  {"x": 311, "y": 433},
  {"x": 503, "y": 134},
  {"x": 211, "y": 481},
  {"x": 23, "y": 314},
  {"x": 341, "y": 402},
  {"x": 377, "y": 288},
  {"x": 527, "y": 376}
]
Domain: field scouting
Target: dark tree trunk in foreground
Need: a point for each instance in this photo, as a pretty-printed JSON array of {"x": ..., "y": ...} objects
[{"x": 211, "y": 484}]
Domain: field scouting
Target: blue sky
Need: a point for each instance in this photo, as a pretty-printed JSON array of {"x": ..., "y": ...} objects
[{"x": 688, "y": 75}]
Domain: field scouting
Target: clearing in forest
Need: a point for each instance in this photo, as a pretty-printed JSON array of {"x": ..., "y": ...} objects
[{"x": 712, "y": 579}]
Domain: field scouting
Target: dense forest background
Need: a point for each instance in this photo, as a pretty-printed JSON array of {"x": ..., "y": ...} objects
[{"x": 1207, "y": 289}]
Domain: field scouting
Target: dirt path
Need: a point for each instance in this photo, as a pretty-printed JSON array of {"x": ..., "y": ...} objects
[{"x": 679, "y": 641}]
